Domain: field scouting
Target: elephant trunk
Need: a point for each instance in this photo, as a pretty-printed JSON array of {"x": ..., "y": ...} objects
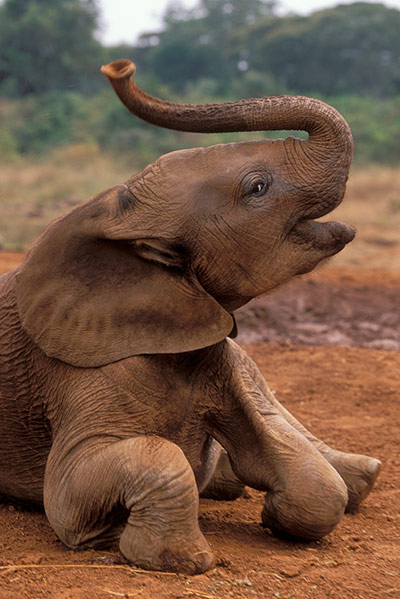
[{"x": 329, "y": 145}]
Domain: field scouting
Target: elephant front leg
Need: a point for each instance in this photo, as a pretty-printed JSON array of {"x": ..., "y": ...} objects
[
  {"x": 146, "y": 480},
  {"x": 359, "y": 472},
  {"x": 306, "y": 497}
]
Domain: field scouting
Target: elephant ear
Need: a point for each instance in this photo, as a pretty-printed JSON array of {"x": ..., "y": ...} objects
[{"x": 89, "y": 300}]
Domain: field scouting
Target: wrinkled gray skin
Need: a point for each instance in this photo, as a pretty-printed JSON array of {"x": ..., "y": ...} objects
[{"x": 118, "y": 382}]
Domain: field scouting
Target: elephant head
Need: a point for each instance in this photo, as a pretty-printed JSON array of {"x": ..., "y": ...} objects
[{"x": 158, "y": 264}]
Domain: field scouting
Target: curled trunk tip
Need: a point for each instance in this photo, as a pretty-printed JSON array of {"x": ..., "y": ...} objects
[{"x": 119, "y": 69}]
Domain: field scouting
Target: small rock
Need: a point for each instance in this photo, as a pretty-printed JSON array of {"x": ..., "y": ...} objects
[
  {"x": 223, "y": 562},
  {"x": 244, "y": 581},
  {"x": 290, "y": 571},
  {"x": 331, "y": 563}
]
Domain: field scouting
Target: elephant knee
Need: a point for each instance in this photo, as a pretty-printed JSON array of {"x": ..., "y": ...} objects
[{"x": 310, "y": 515}]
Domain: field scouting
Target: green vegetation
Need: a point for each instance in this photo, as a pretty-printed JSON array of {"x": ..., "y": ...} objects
[
  {"x": 47, "y": 46},
  {"x": 52, "y": 94}
]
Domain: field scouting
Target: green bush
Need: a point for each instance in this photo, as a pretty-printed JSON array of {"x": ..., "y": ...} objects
[
  {"x": 50, "y": 120},
  {"x": 375, "y": 125}
]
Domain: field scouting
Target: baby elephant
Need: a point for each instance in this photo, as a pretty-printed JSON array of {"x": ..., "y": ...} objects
[{"x": 119, "y": 383}]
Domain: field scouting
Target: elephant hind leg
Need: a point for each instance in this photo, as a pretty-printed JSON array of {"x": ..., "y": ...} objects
[
  {"x": 224, "y": 484},
  {"x": 148, "y": 479}
]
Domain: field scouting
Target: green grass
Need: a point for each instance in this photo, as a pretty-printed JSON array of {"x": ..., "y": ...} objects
[{"x": 34, "y": 191}]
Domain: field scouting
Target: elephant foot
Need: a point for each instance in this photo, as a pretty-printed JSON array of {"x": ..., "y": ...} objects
[
  {"x": 162, "y": 530},
  {"x": 310, "y": 506},
  {"x": 172, "y": 553},
  {"x": 359, "y": 472},
  {"x": 144, "y": 485},
  {"x": 224, "y": 484},
  {"x": 307, "y": 521}
]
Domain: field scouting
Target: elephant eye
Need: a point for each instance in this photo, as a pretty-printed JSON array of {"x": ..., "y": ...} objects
[{"x": 258, "y": 188}]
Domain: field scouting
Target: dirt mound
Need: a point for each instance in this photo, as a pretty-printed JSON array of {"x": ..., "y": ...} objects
[{"x": 348, "y": 395}]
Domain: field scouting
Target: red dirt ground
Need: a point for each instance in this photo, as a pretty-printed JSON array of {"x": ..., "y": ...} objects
[{"x": 327, "y": 345}]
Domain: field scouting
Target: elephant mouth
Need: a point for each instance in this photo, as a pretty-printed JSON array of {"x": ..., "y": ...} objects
[{"x": 328, "y": 237}]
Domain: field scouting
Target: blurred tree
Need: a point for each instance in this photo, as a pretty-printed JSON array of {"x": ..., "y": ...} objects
[
  {"x": 227, "y": 15},
  {"x": 351, "y": 48},
  {"x": 219, "y": 50},
  {"x": 47, "y": 45},
  {"x": 184, "y": 54},
  {"x": 192, "y": 45}
]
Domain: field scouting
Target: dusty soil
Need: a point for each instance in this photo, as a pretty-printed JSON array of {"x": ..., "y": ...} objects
[
  {"x": 327, "y": 345},
  {"x": 359, "y": 308}
]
